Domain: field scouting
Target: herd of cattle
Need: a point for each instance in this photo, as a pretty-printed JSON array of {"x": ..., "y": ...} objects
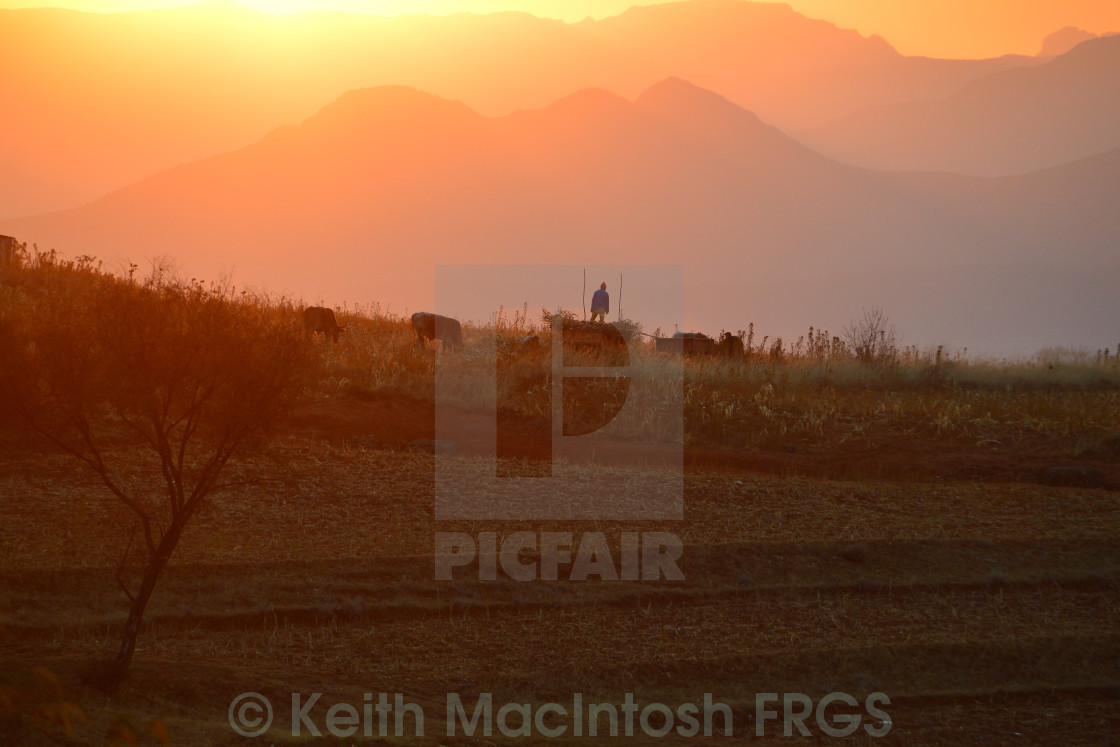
[{"x": 428, "y": 327}]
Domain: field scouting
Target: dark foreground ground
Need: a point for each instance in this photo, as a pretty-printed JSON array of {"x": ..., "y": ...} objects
[{"x": 984, "y": 604}]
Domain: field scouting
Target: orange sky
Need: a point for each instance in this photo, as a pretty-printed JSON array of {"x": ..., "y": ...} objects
[{"x": 938, "y": 28}]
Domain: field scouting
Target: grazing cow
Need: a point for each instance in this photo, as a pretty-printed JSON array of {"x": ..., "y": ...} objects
[
  {"x": 696, "y": 343},
  {"x": 730, "y": 346},
  {"x": 689, "y": 344},
  {"x": 436, "y": 327},
  {"x": 321, "y": 319}
]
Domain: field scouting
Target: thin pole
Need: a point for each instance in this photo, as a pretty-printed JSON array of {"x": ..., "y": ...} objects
[
  {"x": 620, "y": 296},
  {"x": 585, "y": 294}
]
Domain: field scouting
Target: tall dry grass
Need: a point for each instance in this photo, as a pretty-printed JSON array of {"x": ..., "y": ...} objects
[{"x": 814, "y": 390}]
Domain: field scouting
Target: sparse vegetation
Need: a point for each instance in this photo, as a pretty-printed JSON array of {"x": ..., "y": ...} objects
[
  {"x": 815, "y": 393},
  {"x": 309, "y": 564},
  {"x": 819, "y": 392}
]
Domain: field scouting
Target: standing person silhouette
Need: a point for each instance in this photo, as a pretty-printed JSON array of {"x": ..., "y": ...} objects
[{"x": 600, "y": 303}]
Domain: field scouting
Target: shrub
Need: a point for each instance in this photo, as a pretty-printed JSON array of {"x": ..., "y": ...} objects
[{"x": 872, "y": 338}]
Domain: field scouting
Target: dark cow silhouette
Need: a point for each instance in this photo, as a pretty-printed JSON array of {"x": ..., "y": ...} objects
[
  {"x": 730, "y": 346},
  {"x": 321, "y": 319},
  {"x": 687, "y": 343},
  {"x": 436, "y": 327}
]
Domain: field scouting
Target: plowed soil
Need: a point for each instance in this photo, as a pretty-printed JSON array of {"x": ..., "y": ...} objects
[{"x": 984, "y": 604}]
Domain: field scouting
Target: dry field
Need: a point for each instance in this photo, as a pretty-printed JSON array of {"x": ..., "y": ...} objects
[
  {"x": 989, "y": 613},
  {"x": 848, "y": 528}
]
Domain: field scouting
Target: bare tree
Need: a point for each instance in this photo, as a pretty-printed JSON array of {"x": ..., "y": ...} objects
[
  {"x": 155, "y": 386},
  {"x": 872, "y": 337}
]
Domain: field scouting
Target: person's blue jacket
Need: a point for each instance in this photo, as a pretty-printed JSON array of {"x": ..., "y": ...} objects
[{"x": 601, "y": 300}]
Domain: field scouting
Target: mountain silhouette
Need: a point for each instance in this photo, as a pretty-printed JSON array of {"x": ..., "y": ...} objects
[
  {"x": 1063, "y": 40},
  {"x": 1006, "y": 123},
  {"x": 97, "y": 101},
  {"x": 363, "y": 199}
]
